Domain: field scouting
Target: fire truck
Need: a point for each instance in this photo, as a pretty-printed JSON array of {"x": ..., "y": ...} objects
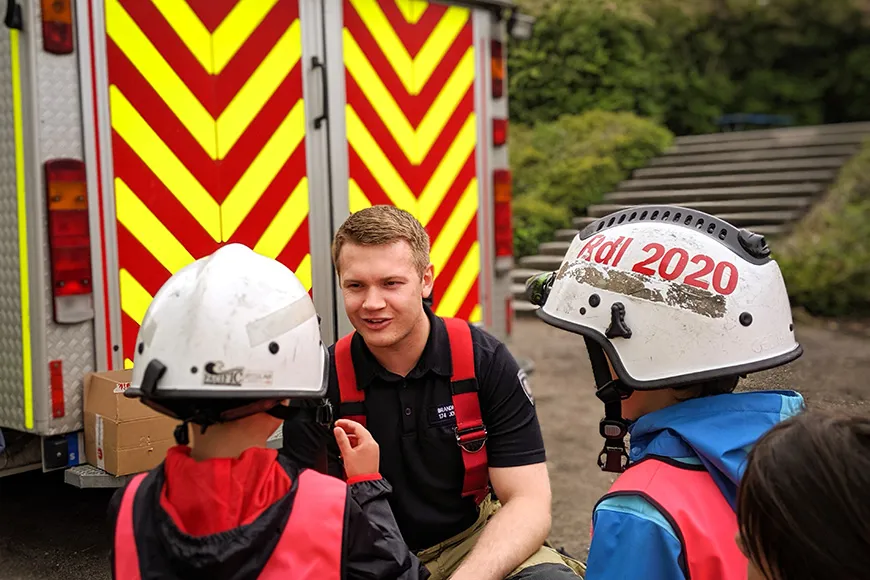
[{"x": 140, "y": 135}]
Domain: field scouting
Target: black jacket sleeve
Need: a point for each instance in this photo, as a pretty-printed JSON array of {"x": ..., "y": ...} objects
[{"x": 373, "y": 546}]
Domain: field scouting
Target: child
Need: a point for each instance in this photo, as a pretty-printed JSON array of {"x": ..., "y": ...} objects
[
  {"x": 803, "y": 507},
  {"x": 674, "y": 306},
  {"x": 224, "y": 345}
]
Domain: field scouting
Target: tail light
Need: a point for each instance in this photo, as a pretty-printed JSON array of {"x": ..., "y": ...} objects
[
  {"x": 504, "y": 235},
  {"x": 69, "y": 240},
  {"x": 57, "y": 29},
  {"x": 498, "y": 68},
  {"x": 499, "y": 132},
  {"x": 55, "y": 373}
]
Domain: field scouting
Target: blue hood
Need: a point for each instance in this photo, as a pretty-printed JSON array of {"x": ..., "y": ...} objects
[{"x": 716, "y": 431}]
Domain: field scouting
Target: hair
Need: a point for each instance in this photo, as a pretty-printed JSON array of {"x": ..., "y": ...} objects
[
  {"x": 803, "y": 508},
  {"x": 380, "y": 225}
]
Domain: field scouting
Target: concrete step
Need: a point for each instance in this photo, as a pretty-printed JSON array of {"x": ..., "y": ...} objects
[
  {"x": 544, "y": 263},
  {"x": 520, "y": 275},
  {"x": 740, "y": 168},
  {"x": 767, "y": 229},
  {"x": 556, "y": 248},
  {"x": 565, "y": 235},
  {"x": 518, "y": 291},
  {"x": 817, "y": 176},
  {"x": 767, "y": 144},
  {"x": 719, "y": 206},
  {"x": 715, "y": 193},
  {"x": 524, "y": 309},
  {"x": 785, "y": 132},
  {"x": 841, "y": 151}
]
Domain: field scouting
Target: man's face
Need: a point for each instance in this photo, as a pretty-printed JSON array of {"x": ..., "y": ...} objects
[{"x": 383, "y": 291}]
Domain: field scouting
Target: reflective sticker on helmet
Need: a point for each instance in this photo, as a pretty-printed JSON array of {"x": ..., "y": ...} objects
[
  {"x": 214, "y": 373},
  {"x": 281, "y": 321}
]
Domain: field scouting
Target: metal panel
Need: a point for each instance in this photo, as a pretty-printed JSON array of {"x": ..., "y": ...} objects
[
  {"x": 60, "y": 135},
  {"x": 11, "y": 391}
]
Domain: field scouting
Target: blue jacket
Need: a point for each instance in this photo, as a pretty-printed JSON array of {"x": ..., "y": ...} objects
[{"x": 633, "y": 539}]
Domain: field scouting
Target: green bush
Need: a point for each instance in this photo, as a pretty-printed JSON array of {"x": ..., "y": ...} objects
[
  {"x": 686, "y": 62},
  {"x": 560, "y": 168},
  {"x": 826, "y": 259}
]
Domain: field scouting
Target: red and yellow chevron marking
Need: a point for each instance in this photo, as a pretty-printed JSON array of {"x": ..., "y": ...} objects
[
  {"x": 208, "y": 138},
  {"x": 409, "y": 69}
]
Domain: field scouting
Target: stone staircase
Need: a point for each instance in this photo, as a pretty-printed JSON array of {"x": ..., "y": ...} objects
[{"x": 760, "y": 180}]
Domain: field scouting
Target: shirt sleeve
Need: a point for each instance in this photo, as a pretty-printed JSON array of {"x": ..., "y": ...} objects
[
  {"x": 629, "y": 525},
  {"x": 514, "y": 435}
]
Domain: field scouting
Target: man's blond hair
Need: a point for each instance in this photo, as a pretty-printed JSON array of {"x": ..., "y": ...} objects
[{"x": 381, "y": 225}]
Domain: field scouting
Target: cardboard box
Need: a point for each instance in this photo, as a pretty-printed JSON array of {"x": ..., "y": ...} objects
[{"x": 122, "y": 435}]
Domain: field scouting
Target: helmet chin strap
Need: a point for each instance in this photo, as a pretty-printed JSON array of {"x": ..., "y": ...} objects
[{"x": 613, "y": 457}]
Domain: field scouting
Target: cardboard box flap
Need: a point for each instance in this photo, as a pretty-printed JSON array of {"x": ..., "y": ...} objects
[{"x": 104, "y": 395}]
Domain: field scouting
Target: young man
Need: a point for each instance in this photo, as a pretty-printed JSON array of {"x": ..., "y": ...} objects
[
  {"x": 674, "y": 305},
  {"x": 447, "y": 404},
  {"x": 225, "y": 342}
]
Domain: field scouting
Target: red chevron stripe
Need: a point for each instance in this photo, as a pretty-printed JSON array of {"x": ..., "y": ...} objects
[
  {"x": 471, "y": 300},
  {"x": 296, "y": 249},
  {"x": 173, "y": 50},
  {"x": 251, "y": 54},
  {"x": 367, "y": 183},
  {"x": 445, "y": 277},
  {"x": 159, "y": 199},
  {"x": 161, "y": 118},
  {"x": 261, "y": 215},
  {"x": 212, "y": 12},
  {"x": 259, "y": 132},
  {"x": 413, "y": 36},
  {"x": 448, "y": 205},
  {"x": 134, "y": 258},
  {"x": 129, "y": 332},
  {"x": 417, "y": 176},
  {"x": 414, "y": 107}
]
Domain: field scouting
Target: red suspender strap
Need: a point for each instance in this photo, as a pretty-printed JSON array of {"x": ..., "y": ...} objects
[
  {"x": 470, "y": 430},
  {"x": 351, "y": 398},
  {"x": 126, "y": 554}
]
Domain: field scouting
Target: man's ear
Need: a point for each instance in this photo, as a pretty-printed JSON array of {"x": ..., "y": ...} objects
[{"x": 428, "y": 280}]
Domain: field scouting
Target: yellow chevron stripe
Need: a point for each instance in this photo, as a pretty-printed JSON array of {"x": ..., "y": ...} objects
[
  {"x": 128, "y": 364},
  {"x": 455, "y": 227},
  {"x": 258, "y": 89},
  {"x": 379, "y": 165},
  {"x": 303, "y": 272},
  {"x": 134, "y": 298},
  {"x": 416, "y": 144},
  {"x": 461, "y": 284},
  {"x": 444, "y": 176},
  {"x": 227, "y": 39},
  {"x": 148, "y": 230},
  {"x": 412, "y": 10},
  {"x": 166, "y": 166},
  {"x": 122, "y": 29},
  {"x": 285, "y": 223},
  {"x": 414, "y": 73},
  {"x": 262, "y": 171},
  {"x": 476, "y": 314},
  {"x": 357, "y": 200}
]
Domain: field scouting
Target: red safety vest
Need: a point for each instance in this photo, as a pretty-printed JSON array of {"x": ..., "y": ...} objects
[
  {"x": 309, "y": 548},
  {"x": 701, "y": 517},
  {"x": 470, "y": 430}
]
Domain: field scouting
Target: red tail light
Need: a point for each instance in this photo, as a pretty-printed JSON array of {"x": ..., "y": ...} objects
[
  {"x": 69, "y": 240},
  {"x": 498, "y": 66},
  {"x": 504, "y": 234},
  {"x": 499, "y": 132},
  {"x": 57, "y": 29}
]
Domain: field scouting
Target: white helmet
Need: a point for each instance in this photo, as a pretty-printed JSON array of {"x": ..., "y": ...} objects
[
  {"x": 229, "y": 335},
  {"x": 674, "y": 296}
]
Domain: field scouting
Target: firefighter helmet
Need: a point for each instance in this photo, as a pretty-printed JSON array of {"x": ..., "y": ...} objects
[
  {"x": 229, "y": 335},
  {"x": 674, "y": 296}
]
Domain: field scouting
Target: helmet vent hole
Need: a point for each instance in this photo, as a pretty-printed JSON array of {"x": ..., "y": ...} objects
[
  {"x": 273, "y": 347},
  {"x": 193, "y": 370},
  {"x": 600, "y": 225},
  {"x": 594, "y": 300},
  {"x": 583, "y": 310},
  {"x": 633, "y": 216},
  {"x": 745, "y": 319},
  {"x": 677, "y": 216},
  {"x": 700, "y": 224},
  {"x": 655, "y": 215},
  {"x": 688, "y": 220},
  {"x": 610, "y": 222},
  {"x": 723, "y": 233},
  {"x": 666, "y": 215},
  {"x": 711, "y": 228},
  {"x": 141, "y": 347},
  {"x": 622, "y": 218},
  {"x": 643, "y": 215}
]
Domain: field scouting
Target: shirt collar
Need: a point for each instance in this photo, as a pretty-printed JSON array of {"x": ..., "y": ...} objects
[{"x": 435, "y": 357}]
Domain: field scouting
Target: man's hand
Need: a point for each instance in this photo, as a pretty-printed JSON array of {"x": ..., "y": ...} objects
[
  {"x": 359, "y": 450},
  {"x": 517, "y": 530}
]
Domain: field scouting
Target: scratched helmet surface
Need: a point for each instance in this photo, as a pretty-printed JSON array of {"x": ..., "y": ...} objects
[
  {"x": 234, "y": 326},
  {"x": 674, "y": 296}
]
